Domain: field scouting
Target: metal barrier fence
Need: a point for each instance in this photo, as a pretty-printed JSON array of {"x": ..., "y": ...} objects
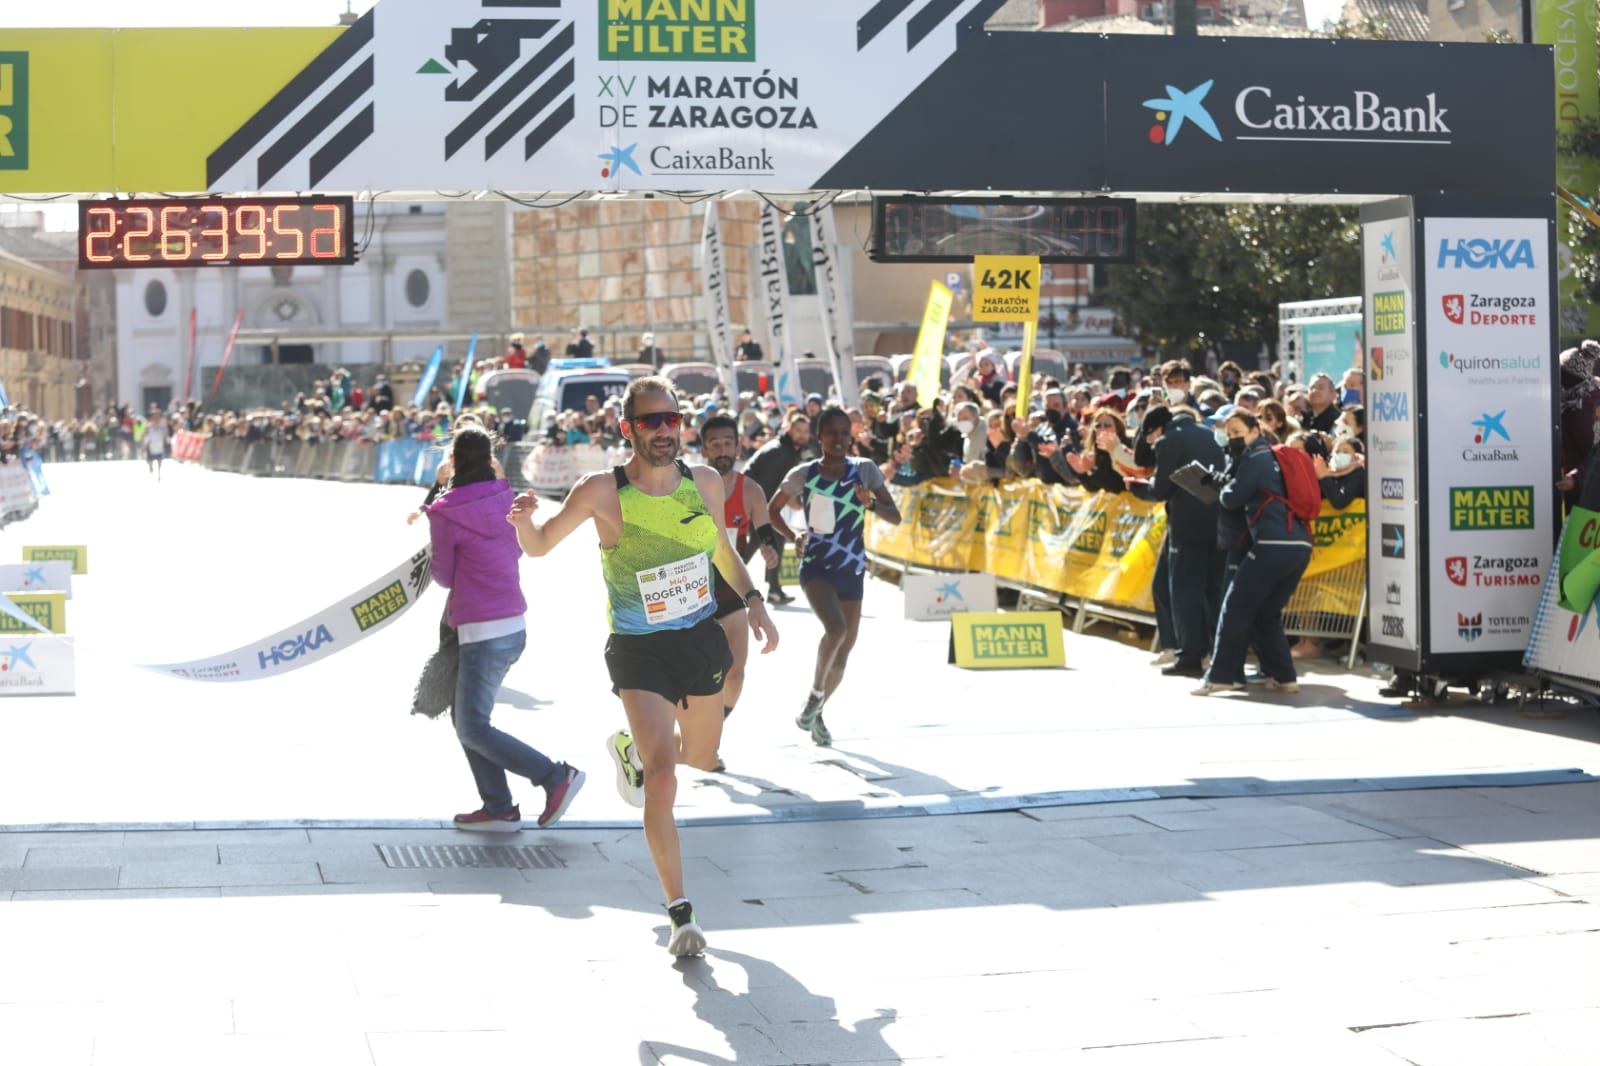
[
  {"x": 1094, "y": 555},
  {"x": 392, "y": 462}
]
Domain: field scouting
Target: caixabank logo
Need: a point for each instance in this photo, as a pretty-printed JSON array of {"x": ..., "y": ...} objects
[
  {"x": 13, "y": 111},
  {"x": 1266, "y": 114}
]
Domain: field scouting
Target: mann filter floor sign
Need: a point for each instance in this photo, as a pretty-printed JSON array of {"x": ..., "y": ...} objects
[
  {"x": 76, "y": 554},
  {"x": 1008, "y": 641},
  {"x": 48, "y": 609}
]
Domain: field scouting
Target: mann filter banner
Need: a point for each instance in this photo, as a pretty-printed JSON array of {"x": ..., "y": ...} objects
[
  {"x": 774, "y": 273},
  {"x": 1490, "y": 398},
  {"x": 714, "y": 286},
  {"x": 838, "y": 309},
  {"x": 1394, "y": 550},
  {"x": 318, "y": 637}
]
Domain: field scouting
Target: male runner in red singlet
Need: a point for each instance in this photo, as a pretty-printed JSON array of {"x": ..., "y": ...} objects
[{"x": 745, "y": 518}]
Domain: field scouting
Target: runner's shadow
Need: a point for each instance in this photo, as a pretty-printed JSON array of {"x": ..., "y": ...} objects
[
  {"x": 882, "y": 777},
  {"x": 770, "y": 796},
  {"x": 776, "y": 1018},
  {"x": 520, "y": 700}
]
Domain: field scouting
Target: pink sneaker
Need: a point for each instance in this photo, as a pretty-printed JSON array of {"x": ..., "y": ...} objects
[
  {"x": 481, "y": 821},
  {"x": 559, "y": 798}
]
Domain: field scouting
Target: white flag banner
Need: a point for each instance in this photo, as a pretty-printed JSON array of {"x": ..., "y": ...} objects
[
  {"x": 775, "y": 289},
  {"x": 714, "y": 280},
  {"x": 324, "y": 634},
  {"x": 838, "y": 311}
]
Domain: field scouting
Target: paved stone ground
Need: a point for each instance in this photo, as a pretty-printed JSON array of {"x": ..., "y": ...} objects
[
  {"x": 1085, "y": 866},
  {"x": 1439, "y": 928}
]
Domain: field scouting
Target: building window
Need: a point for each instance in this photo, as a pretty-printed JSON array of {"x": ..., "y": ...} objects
[
  {"x": 155, "y": 299},
  {"x": 417, "y": 289}
]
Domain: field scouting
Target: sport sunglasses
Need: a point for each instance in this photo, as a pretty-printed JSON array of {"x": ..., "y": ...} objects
[{"x": 659, "y": 420}]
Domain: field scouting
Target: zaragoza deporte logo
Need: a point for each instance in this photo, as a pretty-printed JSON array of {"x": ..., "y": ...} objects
[{"x": 1178, "y": 107}]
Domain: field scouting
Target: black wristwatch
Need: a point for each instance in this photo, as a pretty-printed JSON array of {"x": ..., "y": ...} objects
[{"x": 754, "y": 594}]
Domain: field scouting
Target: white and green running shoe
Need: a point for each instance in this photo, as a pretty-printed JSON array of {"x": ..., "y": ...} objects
[
  {"x": 687, "y": 937},
  {"x": 630, "y": 771}
]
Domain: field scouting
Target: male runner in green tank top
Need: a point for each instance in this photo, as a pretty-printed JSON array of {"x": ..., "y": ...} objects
[{"x": 661, "y": 531}]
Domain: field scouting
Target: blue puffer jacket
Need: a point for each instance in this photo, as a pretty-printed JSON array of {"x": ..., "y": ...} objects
[{"x": 1257, "y": 490}]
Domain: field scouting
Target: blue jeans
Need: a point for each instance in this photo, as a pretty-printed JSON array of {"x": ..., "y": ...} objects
[
  {"x": 490, "y": 752},
  {"x": 1252, "y": 614}
]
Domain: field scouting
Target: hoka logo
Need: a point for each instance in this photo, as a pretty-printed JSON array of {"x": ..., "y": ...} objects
[
  {"x": 290, "y": 650},
  {"x": 1481, "y": 254}
]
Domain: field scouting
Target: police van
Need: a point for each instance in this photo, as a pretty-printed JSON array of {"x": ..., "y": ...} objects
[{"x": 568, "y": 383}]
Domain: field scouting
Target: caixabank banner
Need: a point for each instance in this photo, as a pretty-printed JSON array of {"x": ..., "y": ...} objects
[
  {"x": 1490, "y": 427},
  {"x": 615, "y": 95}
]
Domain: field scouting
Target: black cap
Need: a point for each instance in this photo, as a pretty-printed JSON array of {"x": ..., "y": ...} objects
[{"x": 1156, "y": 419}]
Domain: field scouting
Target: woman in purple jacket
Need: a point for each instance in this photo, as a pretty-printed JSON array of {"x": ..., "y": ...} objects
[{"x": 475, "y": 556}]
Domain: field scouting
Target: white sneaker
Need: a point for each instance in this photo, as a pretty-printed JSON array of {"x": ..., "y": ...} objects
[
  {"x": 1211, "y": 688},
  {"x": 1166, "y": 658},
  {"x": 630, "y": 774},
  {"x": 1286, "y": 687}
]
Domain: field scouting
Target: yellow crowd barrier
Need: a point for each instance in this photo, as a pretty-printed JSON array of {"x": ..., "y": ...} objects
[{"x": 1095, "y": 547}]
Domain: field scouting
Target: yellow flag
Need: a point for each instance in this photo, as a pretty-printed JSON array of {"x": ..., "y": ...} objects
[
  {"x": 930, "y": 345},
  {"x": 1030, "y": 334}
]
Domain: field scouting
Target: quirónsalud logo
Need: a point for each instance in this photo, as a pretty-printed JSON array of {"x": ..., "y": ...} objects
[{"x": 1178, "y": 107}]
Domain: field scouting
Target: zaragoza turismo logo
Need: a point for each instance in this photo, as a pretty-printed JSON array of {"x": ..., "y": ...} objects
[{"x": 1178, "y": 108}]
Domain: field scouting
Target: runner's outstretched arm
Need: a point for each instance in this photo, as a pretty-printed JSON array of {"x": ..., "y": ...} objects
[{"x": 537, "y": 539}]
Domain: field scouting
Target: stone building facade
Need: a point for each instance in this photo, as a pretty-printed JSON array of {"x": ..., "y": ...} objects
[{"x": 38, "y": 337}]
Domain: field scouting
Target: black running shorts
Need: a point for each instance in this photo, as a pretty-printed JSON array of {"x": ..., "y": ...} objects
[{"x": 674, "y": 663}]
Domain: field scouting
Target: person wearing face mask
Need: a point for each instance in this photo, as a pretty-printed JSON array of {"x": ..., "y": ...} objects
[
  {"x": 1194, "y": 566},
  {"x": 1230, "y": 376},
  {"x": 1280, "y": 548},
  {"x": 1177, "y": 380},
  {"x": 1352, "y": 424},
  {"x": 1343, "y": 475},
  {"x": 974, "y": 442},
  {"x": 1353, "y": 387}
]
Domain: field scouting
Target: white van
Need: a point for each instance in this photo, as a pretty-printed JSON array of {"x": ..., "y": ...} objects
[{"x": 568, "y": 383}]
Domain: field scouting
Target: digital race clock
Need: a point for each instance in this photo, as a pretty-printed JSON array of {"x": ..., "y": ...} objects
[
  {"x": 231, "y": 231},
  {"x": 946, "y": 229}
]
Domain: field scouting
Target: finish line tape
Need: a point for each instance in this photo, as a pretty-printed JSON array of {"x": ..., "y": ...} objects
[{"x": 324, "y": 634}]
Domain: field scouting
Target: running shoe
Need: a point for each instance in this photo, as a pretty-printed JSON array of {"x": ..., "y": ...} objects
[
  {"x": 630, "y": 772},
  {"x": 778, "y": 596},
  {"x": 560, "y": 796},
  {"x": 687, "y": 937},
  {"x": 819, "y": 733},
  {"x": 481, "y": 821},
  {"x": 808, "y": 713}
]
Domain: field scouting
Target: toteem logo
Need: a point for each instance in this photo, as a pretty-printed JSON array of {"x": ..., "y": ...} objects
[
  {"x": 1178, "y": 107},
  {"x": 1469, "y": 626}
]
